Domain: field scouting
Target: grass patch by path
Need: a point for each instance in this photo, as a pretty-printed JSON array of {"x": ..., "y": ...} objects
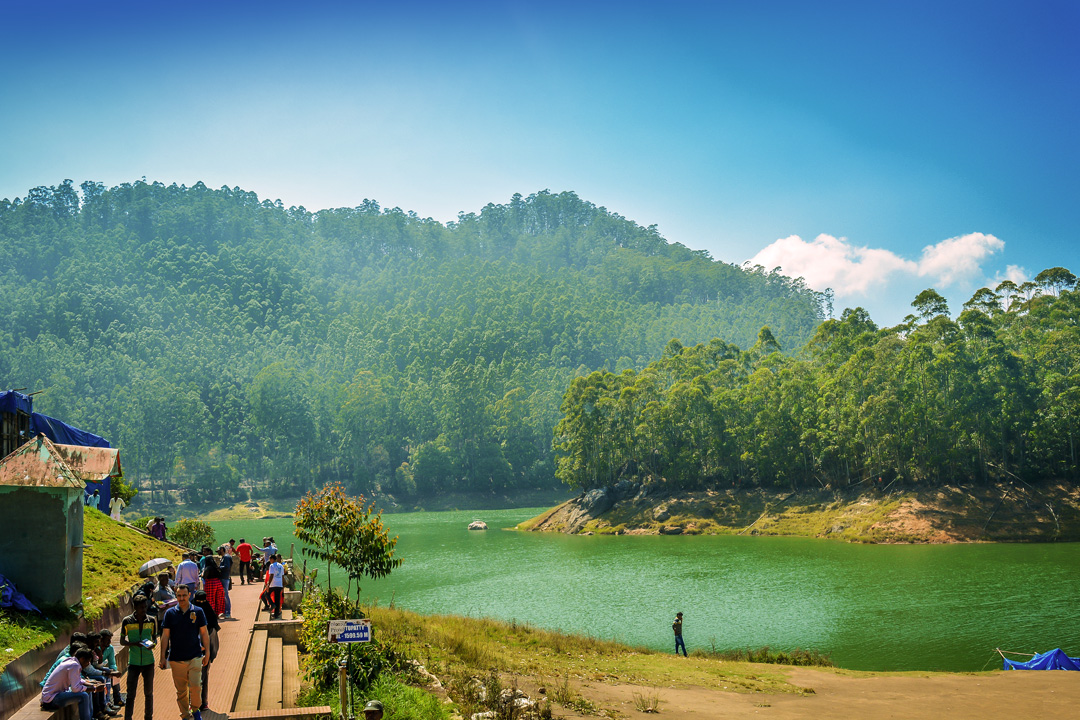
[
  {"x": 400, "y": 701},
  {"x": 112, "y": 560},
  {"x": 22, "y": 632}
]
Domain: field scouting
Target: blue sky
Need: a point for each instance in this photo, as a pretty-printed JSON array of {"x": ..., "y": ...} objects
[{"x": 877, "y": 148}]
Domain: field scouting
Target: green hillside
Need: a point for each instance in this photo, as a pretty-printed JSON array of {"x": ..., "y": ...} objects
[
  {"x": 993, "y": 396},
  {"x": 219, "y": 339}
]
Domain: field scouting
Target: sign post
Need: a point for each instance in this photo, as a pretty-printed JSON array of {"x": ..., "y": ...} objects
[{"x": 347, "y": 631}]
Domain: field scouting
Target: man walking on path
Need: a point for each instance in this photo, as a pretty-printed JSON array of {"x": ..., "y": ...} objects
[
  {"x": 243, "y": 551},
  {"x": 187, "y": 573},
  {"x": 185, "y": 646},
  {"x": 277, "y": 586},
  {"x": 677, "y": 627},
  {"x": 139, "y": 632}
]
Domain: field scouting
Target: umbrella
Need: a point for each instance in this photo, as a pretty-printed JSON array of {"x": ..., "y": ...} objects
[{"x": 152, "y": 567}]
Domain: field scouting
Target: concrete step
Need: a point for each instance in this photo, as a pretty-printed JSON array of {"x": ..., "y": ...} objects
[
  {"x": 290, "y": 675},
  {"x": 247, "y": 696},
  {"x": 264, "y": 616},
  {"x": 321, "y": 712},
  {"x": 270, "y": 698}
]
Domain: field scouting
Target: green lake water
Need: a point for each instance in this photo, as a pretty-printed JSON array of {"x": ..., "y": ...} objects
[{"x": 871, "y": 607}]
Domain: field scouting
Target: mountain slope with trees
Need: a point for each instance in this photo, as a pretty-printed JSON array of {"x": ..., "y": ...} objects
[
  {"x": 220, "y": 340},
  {"x": 989, "y": 400}
]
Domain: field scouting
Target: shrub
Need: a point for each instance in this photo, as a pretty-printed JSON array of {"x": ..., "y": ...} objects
[
  {"x": 192, "y": 533},
  {"x": 403, "y": 702},
  {"x": 369, "y": 659},
  {"x": 123, "y": 489}
]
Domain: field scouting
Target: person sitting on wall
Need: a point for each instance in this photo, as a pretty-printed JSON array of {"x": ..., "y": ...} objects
[
  {"x": 77, "y": 641},
  {"x": 98, "y": 672},
  {"x": 108, "y": 655},
  {"x": 64, "y": 685}
]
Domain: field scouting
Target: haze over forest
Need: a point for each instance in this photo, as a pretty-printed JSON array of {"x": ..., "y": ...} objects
[{"x": 219, "y": 339}]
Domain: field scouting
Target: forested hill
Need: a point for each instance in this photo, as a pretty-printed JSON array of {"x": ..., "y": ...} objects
[
  {"x": 993, "y": 396},
  {"x": 218, "y": 339}
]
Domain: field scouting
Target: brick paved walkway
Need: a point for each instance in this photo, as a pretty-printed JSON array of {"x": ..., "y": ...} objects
[{"x": 225, "y": 670}]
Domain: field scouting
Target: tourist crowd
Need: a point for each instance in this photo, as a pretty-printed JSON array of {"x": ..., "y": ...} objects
[{"x": 180, "y": 614}]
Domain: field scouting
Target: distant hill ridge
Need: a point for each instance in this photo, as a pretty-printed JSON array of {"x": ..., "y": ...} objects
[{"x": 221, "y": 339}]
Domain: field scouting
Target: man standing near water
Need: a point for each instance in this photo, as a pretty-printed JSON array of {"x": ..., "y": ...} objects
[{"x": 677, "y": 627}]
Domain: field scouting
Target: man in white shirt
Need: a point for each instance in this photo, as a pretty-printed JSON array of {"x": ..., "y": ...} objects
[
  {"x": 65, "y": 685},
  {"x": 277, "y": 586},
  {"x": 116, "y": 504},
  {"x": 187, "y": 573}
]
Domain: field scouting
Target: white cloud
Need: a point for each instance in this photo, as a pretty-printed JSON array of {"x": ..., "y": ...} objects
[
  {"x": 1015, "y": 273},
  {"x": 849, "y": 269},
  {"x": 958, "y": 258}
]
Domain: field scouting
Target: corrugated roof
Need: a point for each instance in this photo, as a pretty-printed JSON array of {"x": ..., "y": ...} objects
[
  {"x": 38, "y": 463},
  {"x": 91, "y": 463}
]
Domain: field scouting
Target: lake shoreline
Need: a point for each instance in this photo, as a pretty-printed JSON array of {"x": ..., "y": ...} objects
[
  {"x": 997, "y": 512},
  {"x": 584, "y": 677}
]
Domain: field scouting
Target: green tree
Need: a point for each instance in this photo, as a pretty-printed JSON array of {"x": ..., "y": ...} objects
[
  {"x": 192, "y": 533},
  {"x": 339, "y": 529}
]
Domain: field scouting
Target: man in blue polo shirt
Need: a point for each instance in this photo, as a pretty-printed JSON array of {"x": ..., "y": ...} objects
[{"x": 185, "y": 646}]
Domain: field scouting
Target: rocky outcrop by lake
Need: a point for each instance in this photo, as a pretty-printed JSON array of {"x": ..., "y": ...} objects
[{"x": 994, "y": 512}]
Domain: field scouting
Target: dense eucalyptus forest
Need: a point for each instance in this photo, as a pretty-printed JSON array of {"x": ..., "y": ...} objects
[
  {"x": 226, "y": 343},
  {"x": 991, "y": 396}
]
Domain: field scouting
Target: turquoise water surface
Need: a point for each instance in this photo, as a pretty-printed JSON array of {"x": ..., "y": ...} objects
[{"x": 871, "y": 607}]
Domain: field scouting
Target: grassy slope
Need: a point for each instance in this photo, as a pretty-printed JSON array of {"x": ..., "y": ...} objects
[
  {"x": 110, "y": 567},
  {"x": 454, "y": 647},
  {"x": 111, "y": 563},
  {"x": 583, "y": 676},
  {"x": 999, "y": 512}
]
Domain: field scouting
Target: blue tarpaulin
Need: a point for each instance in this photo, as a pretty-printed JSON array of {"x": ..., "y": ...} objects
[
  {"x": 12, "y": 401},
  {"x": 62, "y": 433},
  {"x": 11, "y": 597},
  {"x": 1054, "y": 660}
]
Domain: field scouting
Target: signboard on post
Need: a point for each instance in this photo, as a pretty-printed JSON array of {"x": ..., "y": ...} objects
[{"x": 348, "y": 631}]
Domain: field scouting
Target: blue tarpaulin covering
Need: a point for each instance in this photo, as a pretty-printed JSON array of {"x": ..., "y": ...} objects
[
  {"x": 1054, "y": 660},
  {"x": 12, "y": 401},
  {"x": 63, "y": 434},
  {"x": 11, "y": 597}
]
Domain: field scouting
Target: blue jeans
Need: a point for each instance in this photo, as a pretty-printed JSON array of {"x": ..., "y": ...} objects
[
  {"x": 225, "y": 583},
  {"x": 191, "y": 586},
  {"x": 67, "y": 697},
  {"x": 680, "y": 644}
]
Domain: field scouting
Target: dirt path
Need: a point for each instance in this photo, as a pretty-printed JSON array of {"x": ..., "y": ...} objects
[{"x": 1053, "y": 694}]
